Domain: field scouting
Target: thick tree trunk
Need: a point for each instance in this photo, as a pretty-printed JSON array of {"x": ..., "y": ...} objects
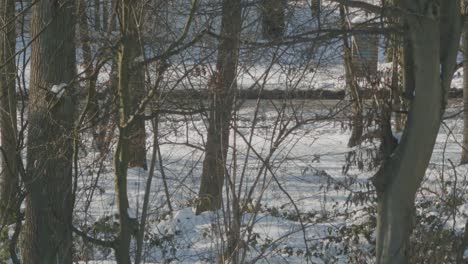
[
  {"x": 47, "y": 236},
  {"x": 8, "y": 174},
  {"x": 137, "y": 134},
  {"x": 464, "y": 156},
  {"x": 400, "y": 176},
  {"x": 223, "y": 87}
]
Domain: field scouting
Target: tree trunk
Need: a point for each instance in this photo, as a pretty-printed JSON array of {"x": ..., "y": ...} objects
[
  {"x": 223, "y": 86},
  {"x": 97, "y": 15},
  {"x": 137, "y": 134},
  {"x": 123, "y": 154},
  {"x": 106, "y": 7},
  {"x": 273, "y": 18},
  {"x": 47, "y": 236},
  {"x": 9, "y": 176},
  {"x": 352, "y": 87},
  {"x": 464, "y": 156},
  {"x": 400, "y": 176}
]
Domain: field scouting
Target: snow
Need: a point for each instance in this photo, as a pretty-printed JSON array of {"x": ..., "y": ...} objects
[
  {"x": 58, "y": 89},
  {"x": 131, "y": 213},
  {"x": 337, "y": 208},
  {"x": 397, "y": 135},
  {"x": 309, "y": 168}
]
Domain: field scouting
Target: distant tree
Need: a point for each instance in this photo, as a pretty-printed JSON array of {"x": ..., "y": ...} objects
[
  {"x": 273, "y": 18},
  {"x": 222, "y": 86},
  {"x": 352, "y": 86},
  {"x": 47, "y": 236}
]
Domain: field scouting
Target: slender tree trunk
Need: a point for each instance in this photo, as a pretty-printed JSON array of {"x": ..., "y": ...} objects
[
  {"x": 122, "y": 155},
  {"x": 47, "y": 236},
  {"x": 93, "y": 113},
  {"x": 223, "y": 86},
  {"x": 8, "y": 174},
  {"x": 395, "y": 55},
  {"x": 464, "y": 156},
  {"x": 400, "y": 176},
  {"x": 352, "y": 87}
]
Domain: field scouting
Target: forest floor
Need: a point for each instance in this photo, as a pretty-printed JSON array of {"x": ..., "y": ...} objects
[{"x": 314, "y": 205}]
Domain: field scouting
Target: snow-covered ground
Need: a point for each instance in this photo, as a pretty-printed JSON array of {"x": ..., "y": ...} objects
[
  {"x": 305, "y": 181},
  {"x": 312, "y": 205}
]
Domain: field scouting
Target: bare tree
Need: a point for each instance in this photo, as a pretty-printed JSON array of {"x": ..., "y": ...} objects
[
  {"x": 47, "y": 236},
  {"x": 352, "y": 86},
  {"x": 434, "y": 28},
  {"x": 128, "y": 12},
  {"x": 223, "y": 86}
]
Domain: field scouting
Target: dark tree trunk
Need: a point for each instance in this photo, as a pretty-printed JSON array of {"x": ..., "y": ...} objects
[
  {"x": 464, "y": 156},
  {"x": 273, "y": 18},
  {"x": 223, "y": 86},
  {"x": 124, "y": 155},
  {"x": 47, "y": 236},
  {"x": 97, "y": 15},
  {"x": 8, "y": 174},
  {"x": 136, "y": 82}
]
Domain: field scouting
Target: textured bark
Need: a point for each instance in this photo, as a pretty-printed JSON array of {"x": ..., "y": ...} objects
[
  {"x": 401, "y": 175},
  {"x": 136, "y": 82},
  {"x": 47, "y": 236},
  {"x": 8, "y": 174},
  {"x": 223, "y": 86},
  {"x": 464, "y": 156},
  {"x": 273, "y": 18}
]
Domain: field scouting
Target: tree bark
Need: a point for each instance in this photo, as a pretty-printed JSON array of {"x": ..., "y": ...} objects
[
  {"x": 47, "y": 236},
  {"x": 137, "y": 133},
  {"x": 273, "y": 18},
  {"x": 122, "y": 155},
  {"x": 402, "y": 173},
  {"x": 223, "y": 86},
  {"x": 8, "y": 176},
  {"x": 464, "y": 156},
  {"x": 352, "y": 87}
]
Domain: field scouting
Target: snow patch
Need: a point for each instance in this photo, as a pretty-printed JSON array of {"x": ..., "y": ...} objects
[
  {"x": 131, "y": 213},
  {"x": 397, "y": 135},
  {"x": 58, "y": 89}
]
